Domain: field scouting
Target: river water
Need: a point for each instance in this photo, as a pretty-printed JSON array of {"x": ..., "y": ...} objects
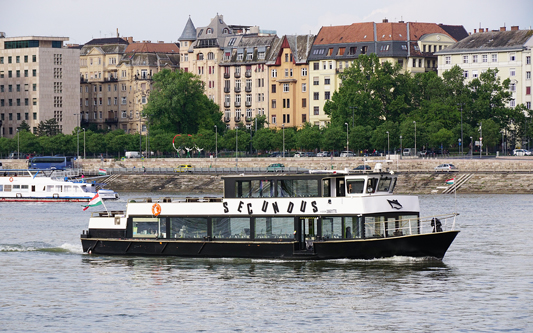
[{"x": 484, "y": 283}]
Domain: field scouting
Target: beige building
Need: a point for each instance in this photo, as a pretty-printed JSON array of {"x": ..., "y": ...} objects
[
  {"x": 39, "y": 80},
  {"x": 230, "y": 60},
  {"x": 288, "y": 81},
  {"x": 508, "y": 51},
  {"x": 116, "y": 80},
  {"x": 410, "y": 44}
]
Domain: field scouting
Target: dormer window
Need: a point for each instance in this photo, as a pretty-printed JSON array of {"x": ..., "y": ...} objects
[{"x": 209, "y": 31}]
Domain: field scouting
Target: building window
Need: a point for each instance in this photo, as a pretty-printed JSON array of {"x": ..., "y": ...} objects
[
  {"x": 474, "y": 58},
  {"x": 274, "y": 73},
  {"x": 528, "y": 75},
  {"x": 512, "y": 87},
  {"x": 528, "y": 60},
  {"x": 316, "y": 66},
  {"x": 327, "y": 95},
  {"x": 528, "y": 105},
  {"x": 528, "y": 90},
  {"x": 327, "y": 81},
  {"x": 512, "y": 57},
  {"x": 448, "y": 60},
  {"x": 512, "y": 72},
  {"x": 494, "y": 57},
  {"x": 273, "y": 103},
  {"x": 474, "y": 74},
  {"x": 316, "y": 110},
  {"x": 304, "y": 102},
  {"x": 285, "y": 87},
  {"x": 304, "y": 71},
  {"x": 124, "y": 100},
  {"x": 484, "y": 58},
  {"x": 316, "y": 96},
  {"x": 465, "y": 59},
  {"x": 465, "y": 74},
  {"x": 316, "y": 81},
  {"x": 273, "y": 88},
  {"x": 304, "y": 87},
  {"x": 512, "y": 103},
  {"x": 273, "y": 119}
]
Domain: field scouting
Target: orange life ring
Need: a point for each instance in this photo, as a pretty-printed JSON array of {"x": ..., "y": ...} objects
[
  {"x": 11, "y": 179},
  {"x": 156, "y": 209}
]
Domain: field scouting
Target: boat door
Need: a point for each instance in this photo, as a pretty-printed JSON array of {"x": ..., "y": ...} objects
[{"x": 308, "y": 232}]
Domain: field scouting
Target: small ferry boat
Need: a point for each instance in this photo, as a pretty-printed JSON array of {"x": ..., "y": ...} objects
[
  {"x": 48, "y": 186},
  {"x": 301, "y": 216}
]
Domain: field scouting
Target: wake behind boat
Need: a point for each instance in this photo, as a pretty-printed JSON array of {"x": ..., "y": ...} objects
[
  {"x": 313, "y": 216},
  {"x": 48, "y": 186}
]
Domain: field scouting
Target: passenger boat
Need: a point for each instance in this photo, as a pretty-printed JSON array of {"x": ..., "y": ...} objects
[
  {"x": 48, "y": 186},
  {"x": 301, "y": 216}
]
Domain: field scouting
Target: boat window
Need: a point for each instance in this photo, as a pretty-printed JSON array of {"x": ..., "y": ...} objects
[
  {"x": 24, "y": 188},
  {"x": 254, "y": 189},
  {"x": 149, "y": 227},
  {"x": 188, "y": 227},
  {"x": 231, "y": 227},
  {"x": 393, "y": 185},
  {"x": 353, "y": 227},
  {"x": 332, "y": 227},
  {"x": 355, "y": 186},
  {"x": 374, "y": 226},
  {"x": 67, "y": 188},
  {"x": 1, "y": 187},
  {"x": 326, "y": 190},
  {"x": 340, "y": 187},
  {"x": 371, "y": 185},
  {"x": 16, "y": 188},
  {"x": 294, "y": 188},
  {"x": 384, "y": 184},
  {"x": 408, "y": 224},
  {"x": 274, "y": 227},
  {"x": 7, "y": 188},
  {"x": 49, "y": 188}
]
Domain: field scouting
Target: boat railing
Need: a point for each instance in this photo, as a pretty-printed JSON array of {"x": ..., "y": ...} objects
[
  {"x": 410, "y": 226},
  {"x": 175, "y": 199},
  {"x": 111, "y": 213}
]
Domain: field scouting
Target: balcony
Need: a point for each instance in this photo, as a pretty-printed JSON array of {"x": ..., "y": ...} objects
[
  {"x": 237, "y": 74},
  {"x": 111, "y": 120},
  {"x": 237, "y": 89},
  {"x": 248, "y": 89},
  {"x": 227, "y": 119},
  {"x": 226, "y": 75},
  {"x": 227, "y": 90},
  {"x": 248, "y": 73},
  {"x": 110, "y": 79},
  {"x": 143, "y": 77},
  {"x": 227, "y": 104},
  {"x": 237, "y": 104},
  {"x": 249, "y": 119},
  {"x": 237, "y": 119},
  {"x": 248, "y": 103},
  {"x": 83, "y": 80}
]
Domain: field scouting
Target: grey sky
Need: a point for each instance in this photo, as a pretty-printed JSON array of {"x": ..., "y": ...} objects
[{"x": 158, "y": 20}]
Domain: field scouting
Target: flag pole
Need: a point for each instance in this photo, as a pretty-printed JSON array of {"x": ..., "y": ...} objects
[{"x": 103, "y": 203}]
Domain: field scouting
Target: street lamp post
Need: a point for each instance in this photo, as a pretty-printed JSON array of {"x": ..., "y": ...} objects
[
  {"x": 480, "y": 138},
  {"x": 471, "y": 147},
  {"x": 216, "y": 141},
  {"x": 283, "y": 130},
  {"x": 401, "y": 148},
  {"x": 347, "y": 150},
  {"x": 388, "y": 144},
  {"x": 236, "y": 146},
  {"x": 83, "y": 143},
  {"x": 414, "y": 122}
]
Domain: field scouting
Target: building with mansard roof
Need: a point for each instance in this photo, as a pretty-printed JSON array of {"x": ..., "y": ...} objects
[
  {"x": 39, "y": 80},
  {"x": 116, "y": 79},
  {"x": 412, "y": 45},
  {"x": 289, "y": 81},
  {"x": 230, "y": 60},
  {"x": 509, "y": 51}
]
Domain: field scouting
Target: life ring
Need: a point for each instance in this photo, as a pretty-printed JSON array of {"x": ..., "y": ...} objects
[
  {"x": 156, "y": 209},
  {"x": 11, "y": 179}
]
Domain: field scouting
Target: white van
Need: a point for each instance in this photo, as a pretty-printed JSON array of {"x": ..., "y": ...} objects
[{"x": 132, "y": 154}]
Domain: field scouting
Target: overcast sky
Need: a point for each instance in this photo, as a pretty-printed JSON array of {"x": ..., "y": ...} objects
[{"x": 158, "y": 20}]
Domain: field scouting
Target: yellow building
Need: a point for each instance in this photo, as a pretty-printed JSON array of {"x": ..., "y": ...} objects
[
  {"x": 39, "y": 80},
  {"x": 288, "y": 81},
  {"x": 410, "y": 44},
  {"x": 508, "y": 51},
  {"x": 116, "y": 79}
]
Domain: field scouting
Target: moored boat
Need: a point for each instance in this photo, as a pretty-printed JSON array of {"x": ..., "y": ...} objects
[
  {"x": 47, "y": 186},
  {"x": 313, "y": 216}
]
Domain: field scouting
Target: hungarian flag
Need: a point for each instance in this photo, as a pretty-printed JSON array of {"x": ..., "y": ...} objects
[
  {"x": 450, "y": 181},
  {"x": 102, "y": 172},
  {"x": 95, "y": 201}
]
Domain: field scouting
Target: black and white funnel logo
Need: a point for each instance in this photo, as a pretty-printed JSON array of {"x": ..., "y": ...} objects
[{"x": 395, "y": 204}]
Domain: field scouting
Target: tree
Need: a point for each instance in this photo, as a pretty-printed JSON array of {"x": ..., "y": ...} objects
[
  {"x": 24, "y": 126},
  {"x": 262, "y": 140},
  {"x": 308, "y": 138},
  {"x": 177, "y": 104},
  {"x": 48, "y": 128},
  {"x": 334, "y": 138}
]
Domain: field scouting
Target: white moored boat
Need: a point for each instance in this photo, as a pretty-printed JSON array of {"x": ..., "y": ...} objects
[
  {"x": 47, "y": 186},
  {"x": 312, "y": 216}
]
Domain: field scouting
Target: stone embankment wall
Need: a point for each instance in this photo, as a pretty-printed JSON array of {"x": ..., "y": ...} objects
[{"x": 496, "y": 175}]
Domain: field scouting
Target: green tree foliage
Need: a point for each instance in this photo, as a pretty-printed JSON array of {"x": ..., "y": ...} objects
[
  {"x": 177, "y": 104},
  {"x": 308, "y": 138},
  {"x": 48, "y": 128}
]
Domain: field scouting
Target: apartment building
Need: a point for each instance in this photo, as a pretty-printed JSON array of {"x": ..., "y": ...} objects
[
  {"x": 412, "y": 45},
  {"x": 289, "y": 81},
  {"x": 116, "y": 80},
  {"x": 507, "y": 50},
  {"x": 231, "y": 61},
  {"x": 39, "y": 80}
]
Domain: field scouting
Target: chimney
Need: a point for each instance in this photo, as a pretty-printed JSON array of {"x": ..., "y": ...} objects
[
  {"x": 130, "y": 40},
  {"x": 475, "y": 30},
  {"x": 514, "y": 28},
  {"x": 503, "y": 29},
  {"x": 385, "y": 20}
]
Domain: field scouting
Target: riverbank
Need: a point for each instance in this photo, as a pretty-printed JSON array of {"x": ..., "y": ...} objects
[{"x": 486, "y": 175}]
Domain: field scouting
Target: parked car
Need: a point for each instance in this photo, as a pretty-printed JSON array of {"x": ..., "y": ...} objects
[
  {"x": 276, "y": 167},
  {"x": 184, "y": 168},
  {"x": 445, "y": 167},
  {"x": 521, "y": 152},
  {"x": 323, "y": 154},
  {"x": 347, "y": 153},
  {"x": 362, "y": 168}
]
